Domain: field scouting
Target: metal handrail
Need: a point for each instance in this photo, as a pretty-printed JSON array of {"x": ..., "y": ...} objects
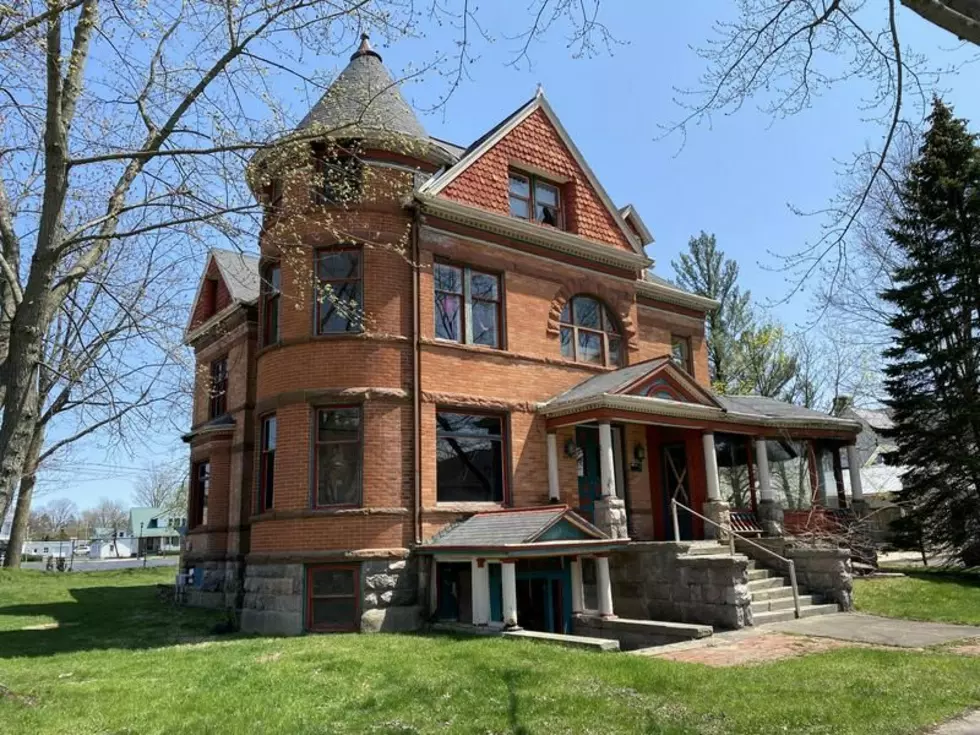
[{"x": 731, "y": 546}]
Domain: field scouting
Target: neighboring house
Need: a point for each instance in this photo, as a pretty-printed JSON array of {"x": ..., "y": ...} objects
[
  {"x": 881, "y": 483},
  {"x": 57, "y": 549},
  {"x": 506, "y": 420},
  {"x": 110, "y": 545},
  {"x": 155, "y": 531}
]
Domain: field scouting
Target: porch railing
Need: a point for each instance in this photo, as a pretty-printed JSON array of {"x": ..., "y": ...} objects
[{"x": 674, "y": 505}]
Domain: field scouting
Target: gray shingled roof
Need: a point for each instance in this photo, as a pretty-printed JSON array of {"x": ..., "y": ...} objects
[
  {"x": 503, "y": 528},
  {"x": 364, "y": 98},
  {"x": 240, "y": 272},
  {"x": 772, "y": 408},
  {"x": 607, "y": 382}
]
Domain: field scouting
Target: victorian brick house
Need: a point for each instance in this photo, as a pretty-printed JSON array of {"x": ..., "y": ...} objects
[{"x": 448, "y": 386}]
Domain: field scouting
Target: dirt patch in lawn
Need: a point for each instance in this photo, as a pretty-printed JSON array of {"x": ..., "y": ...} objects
[
  {"x": 968, "y": 648},
  {"x": 756, "y": 650}
]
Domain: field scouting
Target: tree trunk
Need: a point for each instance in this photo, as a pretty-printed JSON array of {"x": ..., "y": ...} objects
[{"x": 18, "y": 534}]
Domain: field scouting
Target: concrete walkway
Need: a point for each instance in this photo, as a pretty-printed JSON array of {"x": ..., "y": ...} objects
[
  {"x": 966, "y": 725},
  {"x": 876, "y": 631}
]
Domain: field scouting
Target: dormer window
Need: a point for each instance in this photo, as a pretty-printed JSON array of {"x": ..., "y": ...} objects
[{"x": 536, "y": 200}]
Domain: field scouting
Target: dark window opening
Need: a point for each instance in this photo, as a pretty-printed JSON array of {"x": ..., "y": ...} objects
[
  {"x": 271, "y": 297},
  {"x": 267, "y": 462},
  {"x": 454, "y": 592},
  {"x": 338, "y": 174},
  {"x": 332, "y": 598},
  {"x": 468, "y": 306},
  {"x": 536, "y": 200},
  {"x": 680, "y": 351},
  {"x": 218, "y": 389},
  {"x": 339, "y": 304},
  {"x": 590, "y": 333},
  {"x": 469, "y": 458},
  {"x": 338, "y": 457},
  {"x": 201, "y": 473}
]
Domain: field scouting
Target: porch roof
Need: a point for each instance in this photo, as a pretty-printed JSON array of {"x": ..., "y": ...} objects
[
  {"x": 553, "y": 529},
  {"x": 625, "y": 391}
]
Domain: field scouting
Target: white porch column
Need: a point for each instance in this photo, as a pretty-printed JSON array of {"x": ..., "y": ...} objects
[
  {"x": 554, "y": 491},
  {"x": 607, "y": 470},
  {"x": 508, "y": 578},
  {"x": 711, "y": 466},
  {"x": 854, "y": 468},
  {"x": 480, "y": 585},
  {"x": 578, "y": 588},
  {"x": 762, "y": 469},
  {"x": 604, "y": 584}
]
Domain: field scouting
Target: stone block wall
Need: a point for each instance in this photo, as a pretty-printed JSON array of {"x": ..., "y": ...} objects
[
  {"x": 216, "y": 584},
  {"x": 273, "y": 603},
  {"x": 390, "y": 595},
  {"x": 656, "y": 581},
  {"x": 823, "y": 570}
]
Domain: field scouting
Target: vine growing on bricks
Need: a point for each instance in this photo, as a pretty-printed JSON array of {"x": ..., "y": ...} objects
[{"x": 129, "y": 123}]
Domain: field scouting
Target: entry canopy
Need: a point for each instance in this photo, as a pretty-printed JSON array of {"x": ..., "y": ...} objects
[{"x": 545, "y": 531}]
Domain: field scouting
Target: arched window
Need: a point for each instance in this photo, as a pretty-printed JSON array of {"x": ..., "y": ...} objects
[{"x": 590, "y": 333}]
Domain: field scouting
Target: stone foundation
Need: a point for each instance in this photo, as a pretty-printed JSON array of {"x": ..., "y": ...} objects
[
  {"x": 656, "y": 581},
  {"x": 719, "y": 512},
  {"x": 215, "y": 584},
  {"x": 770, "y": 515},
  {"x": 390, "y": 595},
  {"x": 610, "y": 516},
  {"x": 274, "y": 597}
]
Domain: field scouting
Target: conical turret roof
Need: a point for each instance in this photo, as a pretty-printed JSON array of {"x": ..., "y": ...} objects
[{"x": 364, "y": 99}]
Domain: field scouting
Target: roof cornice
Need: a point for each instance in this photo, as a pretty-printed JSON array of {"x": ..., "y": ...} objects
[
  {"x": 192, "y": 335},
  {"x": 671, "y": 295},
  {"x": 661, "y": 407},
  {"x": 552, "y": 239}
]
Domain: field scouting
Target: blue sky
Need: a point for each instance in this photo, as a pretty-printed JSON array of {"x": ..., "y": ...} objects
[{"x": 735, "y": 179}]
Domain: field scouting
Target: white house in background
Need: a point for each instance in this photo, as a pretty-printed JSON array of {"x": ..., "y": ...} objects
[
  {"x": 62, "y": 549},
  {"x": 881, "y": 483},
  {"x": 111, "y": 548},
  {"x": 7, "y": 526}
]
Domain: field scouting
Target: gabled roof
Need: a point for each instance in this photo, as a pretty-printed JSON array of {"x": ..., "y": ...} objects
[
  {"x": 240, "y": 274},
  {"x": 145, "y": 516},
  {"x": 517, "y": 529},
  {"x": 364, "y": 99},
  {"x": 494, "y": 135},
  {"x": 632, "y": 217},
  {"x": 622, "y": 381}
]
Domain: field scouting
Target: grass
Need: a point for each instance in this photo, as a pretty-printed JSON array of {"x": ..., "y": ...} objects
[
  {"x": 947, "y": 596},
  {"x": 122, "y": 660}
]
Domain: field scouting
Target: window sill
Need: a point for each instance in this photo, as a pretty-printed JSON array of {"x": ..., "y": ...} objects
[
  {"x": 442, "y": 342},
  {"x": 463, "y": 507}
]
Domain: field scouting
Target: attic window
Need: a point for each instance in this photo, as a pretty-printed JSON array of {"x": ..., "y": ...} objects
[{"x": 536, "y": 200}]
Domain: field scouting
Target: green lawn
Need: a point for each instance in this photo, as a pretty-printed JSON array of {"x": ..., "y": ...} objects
[
  {"x": 124, "y": 661},
  {"x": 923, "y": 594}
]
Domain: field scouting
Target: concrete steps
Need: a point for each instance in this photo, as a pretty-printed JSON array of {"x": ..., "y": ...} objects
[
  {"x": 780, "y": 616},
  {"x": 772, "y": 598}
]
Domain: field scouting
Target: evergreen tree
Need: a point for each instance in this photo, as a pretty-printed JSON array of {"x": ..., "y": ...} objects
[
  {"x": 933, "y": 373},
  {"x": 704, "y": 270}
]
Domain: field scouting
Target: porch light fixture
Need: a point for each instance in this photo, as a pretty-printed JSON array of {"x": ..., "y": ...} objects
[
  {"x": 639, "y": 454},
  {"x": 570, "y": 448}
]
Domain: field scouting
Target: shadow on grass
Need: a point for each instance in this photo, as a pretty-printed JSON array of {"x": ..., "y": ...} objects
[{"x": 103, "y": 618}]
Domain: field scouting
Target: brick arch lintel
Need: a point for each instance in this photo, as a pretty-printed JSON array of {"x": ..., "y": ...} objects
[{"x": 621, "y": 306}]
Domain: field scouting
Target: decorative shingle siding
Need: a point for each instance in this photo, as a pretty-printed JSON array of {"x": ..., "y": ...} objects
[{"x": 536, "y": 143}]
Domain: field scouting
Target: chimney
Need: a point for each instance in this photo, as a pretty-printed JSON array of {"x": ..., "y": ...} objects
[{"x": 841, "y": 404}]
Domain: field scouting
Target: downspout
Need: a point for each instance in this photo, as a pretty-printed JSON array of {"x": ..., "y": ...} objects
[{"x": 416, "y": 377}]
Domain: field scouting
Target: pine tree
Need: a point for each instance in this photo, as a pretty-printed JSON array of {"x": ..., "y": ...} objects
[
  {"x": 704, "y": 270},
  {"x": 933, "y": 371}
]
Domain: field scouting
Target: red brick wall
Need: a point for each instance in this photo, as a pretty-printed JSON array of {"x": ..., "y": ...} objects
[
  {"x": 535, "y": 143},
  {"x": 213, "y": 298}
]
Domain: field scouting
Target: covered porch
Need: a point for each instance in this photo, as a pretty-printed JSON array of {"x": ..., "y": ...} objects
[
  {"x": 646, "y": 439},
  {"x": 535, "y": 568}
]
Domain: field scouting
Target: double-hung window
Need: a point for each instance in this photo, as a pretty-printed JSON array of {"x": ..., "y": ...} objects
[
  {"x": 199, "y": 495},
  {"x": 267, "y": 462},
  {"x": 680, "y": 352},
  {"x": 332, "y": 598},
  {"x": 469, "y": 458},
  {"x": 467, "y": 305},
  {"x": 536, "y": 200},
  {"x": 218, "y": 388},
  {"x": 271, "y": 298},
  {"x": 339, "y": 301},
  {"x": 590, "y": 333},
  {"x": 338, "y": 456}
]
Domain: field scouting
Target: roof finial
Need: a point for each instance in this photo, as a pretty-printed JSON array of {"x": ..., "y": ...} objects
[
  {"x": 540, "y": 90},
  {"x": 365, "y": 49}
]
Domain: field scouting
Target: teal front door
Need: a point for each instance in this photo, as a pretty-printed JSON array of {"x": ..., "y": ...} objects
[{"x": 589, "y": 486}]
